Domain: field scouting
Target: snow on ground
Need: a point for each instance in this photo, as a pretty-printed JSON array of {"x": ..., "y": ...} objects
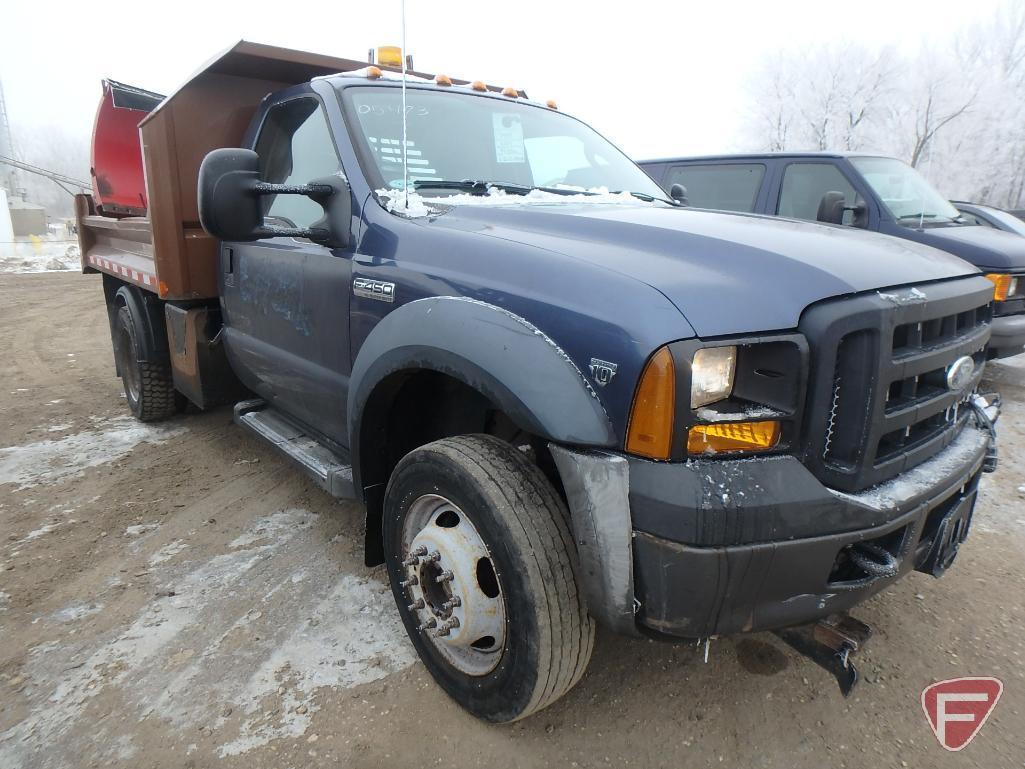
[
  {"x": 54, "y": 461},
  {"x": 240, "y": 641},
  {"x": 39, "y": 254}
]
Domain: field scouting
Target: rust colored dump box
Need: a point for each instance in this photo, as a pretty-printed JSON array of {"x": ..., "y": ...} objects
[{"x": 152, "y": 237}]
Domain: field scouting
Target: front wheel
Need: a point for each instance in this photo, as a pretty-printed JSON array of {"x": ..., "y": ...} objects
[{"x": 484, "y": 573}]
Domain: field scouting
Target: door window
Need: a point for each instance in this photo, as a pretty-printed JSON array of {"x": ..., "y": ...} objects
[
  {"x": 726, "y": 187},
  {"x": 295, "y": 147},
  {"x": 804, "y": 184}
]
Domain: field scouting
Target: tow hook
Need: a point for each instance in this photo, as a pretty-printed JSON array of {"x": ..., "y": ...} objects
[
  {"x": 987, "y": 410},
  {"x": 829, "y": 643}
]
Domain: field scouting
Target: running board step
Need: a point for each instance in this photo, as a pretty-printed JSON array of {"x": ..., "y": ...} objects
[{"x": 330, "y": 471}]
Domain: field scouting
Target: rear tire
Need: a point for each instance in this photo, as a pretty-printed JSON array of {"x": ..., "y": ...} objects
[
  {"x": 514, "y": 526},
  {"x": 149, "y": 387}
]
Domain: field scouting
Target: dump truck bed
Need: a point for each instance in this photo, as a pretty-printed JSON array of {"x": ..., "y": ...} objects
[{"x": 151, "y": 235}]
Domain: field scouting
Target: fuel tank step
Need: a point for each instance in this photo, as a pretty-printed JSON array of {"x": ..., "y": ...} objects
[{"x": 331, "y": 472}]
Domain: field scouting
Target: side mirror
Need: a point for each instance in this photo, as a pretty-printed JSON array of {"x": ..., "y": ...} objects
[
  {"x": 678, "y": 193},
  {"x": 230, "y": 209},
  {"x": 831, "y": 208}
]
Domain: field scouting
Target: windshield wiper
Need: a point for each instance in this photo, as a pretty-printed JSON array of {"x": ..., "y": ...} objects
[
  {"x": 649, "y": 198},
  {"x": 917, "y": 216},
  {"x": 482, "y": 187}
]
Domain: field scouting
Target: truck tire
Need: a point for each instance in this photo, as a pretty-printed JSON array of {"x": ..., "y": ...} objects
[
  {"x": 484, "y": 572},
  {"x": 149, "y": 387}
]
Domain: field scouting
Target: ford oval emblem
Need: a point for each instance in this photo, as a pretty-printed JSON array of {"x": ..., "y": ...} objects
[{"x": 959, "y": 375}]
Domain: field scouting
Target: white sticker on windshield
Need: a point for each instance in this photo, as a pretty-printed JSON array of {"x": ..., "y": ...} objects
[{"x": 508, "y": 139}]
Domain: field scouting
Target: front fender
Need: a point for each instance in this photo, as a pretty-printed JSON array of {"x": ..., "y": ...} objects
[{"x": 501, "y": 355}]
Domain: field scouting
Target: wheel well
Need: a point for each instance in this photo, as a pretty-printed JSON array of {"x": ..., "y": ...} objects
[
  {"x": 412, "y": 408},
  {"x": 147, "y": 311}
]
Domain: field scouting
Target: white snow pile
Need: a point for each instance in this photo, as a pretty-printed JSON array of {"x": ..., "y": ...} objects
[
  {"x": 54, "y": 461},
  {"x": 413, "y": 205},
  {"x": 39, "y": 255}
]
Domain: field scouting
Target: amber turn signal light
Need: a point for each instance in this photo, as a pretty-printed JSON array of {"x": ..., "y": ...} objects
[
  {"x": 1003, "y": 285},
  {"x": 728, "y": 437},
  {"x": 650, "y": 432}
]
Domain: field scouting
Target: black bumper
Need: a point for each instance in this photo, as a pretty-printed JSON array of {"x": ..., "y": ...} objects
[
  {"x": 757, "y": 544},
  {"x": 1008, "y": 336}
]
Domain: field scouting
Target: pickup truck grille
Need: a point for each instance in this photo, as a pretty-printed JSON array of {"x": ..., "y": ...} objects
[{"x": 878, "y": 401}]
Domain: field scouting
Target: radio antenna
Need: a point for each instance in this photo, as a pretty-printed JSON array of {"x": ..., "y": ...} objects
[{"x": 405, "y": 167}]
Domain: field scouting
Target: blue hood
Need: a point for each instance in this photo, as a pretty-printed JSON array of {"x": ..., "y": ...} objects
[
  {"x": 727, "y": 273},
  {"x": 985, "y": 247}
]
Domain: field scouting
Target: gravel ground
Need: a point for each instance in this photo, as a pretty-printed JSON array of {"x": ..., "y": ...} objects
[{"x": 178, "y": 596}]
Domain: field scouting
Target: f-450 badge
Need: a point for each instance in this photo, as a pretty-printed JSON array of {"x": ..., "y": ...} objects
[{"x": 602, "y": 371}]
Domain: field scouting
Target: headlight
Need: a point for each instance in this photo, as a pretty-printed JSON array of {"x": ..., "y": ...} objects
[
  {"x": 1003, "y": 285},
  {"x": 711, "y": 376}
]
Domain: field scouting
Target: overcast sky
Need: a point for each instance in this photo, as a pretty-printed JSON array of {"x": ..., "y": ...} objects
[{"x": 656, "y": 78}]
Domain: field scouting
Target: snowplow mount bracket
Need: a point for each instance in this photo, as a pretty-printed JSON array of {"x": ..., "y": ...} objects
[{"x": 830, "y": 643}]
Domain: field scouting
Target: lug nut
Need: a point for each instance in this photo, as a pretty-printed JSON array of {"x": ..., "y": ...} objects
[
  {"x": 411, "y": 561},
  {"x": 446, "y": 627},
  {"x": 422, "y": 550},
  {"x": 445, "y": 576},
  {"x": 410, "y": 582},
  {"x": 433, "y": 557},
  {"x": 452, "y": 603},
  {"x": 416, "y": 605},
  {"x": 428, "y": 624}
]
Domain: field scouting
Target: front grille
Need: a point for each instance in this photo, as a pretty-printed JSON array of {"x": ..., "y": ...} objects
[{"x": 879, "y": 403}]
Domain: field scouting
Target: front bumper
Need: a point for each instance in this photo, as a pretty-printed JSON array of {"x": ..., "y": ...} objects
[
  {"x": 1008, "y": 336},
  {"x": 721, "y": 547}
]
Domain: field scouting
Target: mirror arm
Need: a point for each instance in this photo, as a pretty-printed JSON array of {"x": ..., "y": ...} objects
[
  {"x": 316, "y": 234},
  {"x": 315, "y": 191}
]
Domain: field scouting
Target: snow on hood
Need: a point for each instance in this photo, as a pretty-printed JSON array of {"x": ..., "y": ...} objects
[{"x": 415, "y": 206}]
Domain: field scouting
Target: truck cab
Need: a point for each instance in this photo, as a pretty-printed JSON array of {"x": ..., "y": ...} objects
[
  {"x": 863, "y": 191},
  {"x": 563, "y": 398}
]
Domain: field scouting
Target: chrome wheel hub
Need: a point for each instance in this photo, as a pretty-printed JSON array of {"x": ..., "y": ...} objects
[{"x": 452, "y": 585}]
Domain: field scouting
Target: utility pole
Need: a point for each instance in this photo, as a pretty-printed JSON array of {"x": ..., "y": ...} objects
[{"x": 8, "y": 174}]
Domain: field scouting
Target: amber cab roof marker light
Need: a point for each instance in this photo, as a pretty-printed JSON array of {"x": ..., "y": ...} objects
[
  {"x": 442, "y": 80},
  {"x": 511, "y": 92},
  {"x": 650, "y": 430},
  {"x": 374, "y": 73},
  {"x": 478, "y": 85},
  {"x": 389, "y": 56}
]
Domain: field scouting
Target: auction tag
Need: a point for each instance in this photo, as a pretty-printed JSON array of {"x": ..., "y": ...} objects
[{"x": 508, "y": 138}]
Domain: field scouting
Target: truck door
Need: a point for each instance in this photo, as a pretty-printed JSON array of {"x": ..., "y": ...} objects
[
  {"x": 802, "y": 184},
  {"x": 286, "y": 300}
]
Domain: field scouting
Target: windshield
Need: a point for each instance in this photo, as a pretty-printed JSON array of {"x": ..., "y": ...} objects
[
  {"x": 904, "y": 191},
  {"x": 453, "y": 137}
]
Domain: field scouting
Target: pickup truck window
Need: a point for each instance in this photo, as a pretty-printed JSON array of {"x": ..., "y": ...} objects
[
  {"x": 452, "y": 136},
  {"x": 731, "y": 187},
  {"x": 295, "y": 147},
  {"x": 804, "y": 184},
  {"x": 904, "y": 192}
]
